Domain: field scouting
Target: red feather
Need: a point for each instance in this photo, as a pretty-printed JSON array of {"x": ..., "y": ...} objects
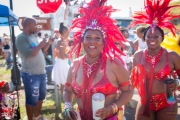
[
  {"x": 95, "y": 10},
  {"x": 158, "y": 10}
]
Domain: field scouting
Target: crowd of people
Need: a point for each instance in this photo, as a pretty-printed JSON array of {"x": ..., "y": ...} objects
[
  {"x": 5, "y": 50},
  {"x": 101, "y": 59}
]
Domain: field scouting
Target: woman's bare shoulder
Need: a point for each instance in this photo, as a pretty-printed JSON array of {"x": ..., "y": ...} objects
[
  {"x": 115, "y": 63},
  {"x": 138, "y": 53},
  {"x": 77, "y": 61},
  {"x": 173, "y": 55}
]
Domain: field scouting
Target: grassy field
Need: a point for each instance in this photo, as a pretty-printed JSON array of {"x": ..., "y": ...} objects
[{"x": 48, "y": 110}]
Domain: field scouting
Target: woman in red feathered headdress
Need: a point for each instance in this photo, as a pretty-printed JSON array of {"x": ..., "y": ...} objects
[
  {"x": 153, "y": 66},
  {"x": 100, "y": 70}
]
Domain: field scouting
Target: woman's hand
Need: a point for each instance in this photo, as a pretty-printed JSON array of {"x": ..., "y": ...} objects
[
  {"x": 104, "y": 112},
  {"x": 5, "y": 88},
  {"x": 71, "y": 114},
  {"x": 173, "y": 86}
]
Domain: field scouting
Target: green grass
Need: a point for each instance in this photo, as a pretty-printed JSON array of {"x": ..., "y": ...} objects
[
  {"x": 48, "y": 109},
  {"x": 4, "y": 74}
]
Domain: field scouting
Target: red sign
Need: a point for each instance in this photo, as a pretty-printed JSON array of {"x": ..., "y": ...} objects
[{"x": 48, "y": 6}]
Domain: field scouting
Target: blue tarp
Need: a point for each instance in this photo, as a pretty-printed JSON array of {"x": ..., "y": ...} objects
[{"x": 7, "y": 17}]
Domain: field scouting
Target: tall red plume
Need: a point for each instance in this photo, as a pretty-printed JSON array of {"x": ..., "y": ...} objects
[
  {"x": 157, "y": 12},
  {"x": 95, "y": 10}
]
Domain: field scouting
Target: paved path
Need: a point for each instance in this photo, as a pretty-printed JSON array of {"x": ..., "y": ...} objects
[{"x": 129, "y": 112}]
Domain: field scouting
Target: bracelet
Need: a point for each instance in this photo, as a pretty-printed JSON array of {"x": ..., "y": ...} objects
[
  {"x": 67, "y": 84},
  {"x": 67, "y": 105},
  {"x": 113, "y": 111},
  {"x": 115, "y": 108},
  {"x": 177, "y": 82},
  {"x": 65, "y": 111}
]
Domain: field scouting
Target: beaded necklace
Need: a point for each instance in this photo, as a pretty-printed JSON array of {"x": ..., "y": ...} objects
[
  {"x": 89, "y": 69},
  {"x": 153, "y": 60}
]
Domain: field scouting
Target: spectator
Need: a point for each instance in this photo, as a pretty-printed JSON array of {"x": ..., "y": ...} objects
[
  {"x": 61, "y": 66},
  {"x": 7, "y": 51},
  {"x": 140, "y": 43},
  {"x": 5, "y": 87},
  {"x": 39, "y": 37},
  {"x": 33, "y": 67},
  {"x": 129, "y": 46}
]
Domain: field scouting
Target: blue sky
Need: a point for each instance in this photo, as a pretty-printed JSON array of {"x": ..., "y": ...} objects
[{"x": 28, "y": 8}]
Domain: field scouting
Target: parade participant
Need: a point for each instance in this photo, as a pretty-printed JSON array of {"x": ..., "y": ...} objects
[
  {"x": 100, "y": 70},
  {"x": 61, "y": 66},
  {"x": 140, "y": 44},
  {"x": 33, "y": 67},
  {"x": 154, "y": 65},
  {"x": 129, "y": 46},
  {"x": 39, "y": 37}
]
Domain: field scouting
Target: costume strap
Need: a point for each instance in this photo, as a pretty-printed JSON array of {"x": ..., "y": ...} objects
[
  {"x": 67, "y": 84},
  {"x": 126, "y": 83}
]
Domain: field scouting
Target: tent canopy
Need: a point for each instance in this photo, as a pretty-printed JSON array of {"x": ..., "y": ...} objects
[{"x": 7, "y": 17}]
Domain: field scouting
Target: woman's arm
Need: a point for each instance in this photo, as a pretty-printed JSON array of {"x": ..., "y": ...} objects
[
  {"x": 136, "y": 45},
  {"x": 68, "y": 93},
  {"x": 124, "y": 83},
  {"x": 176, "y": 61}
]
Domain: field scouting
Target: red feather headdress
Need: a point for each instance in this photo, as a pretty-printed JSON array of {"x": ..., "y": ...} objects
[
  {"x": 96, "y": 16},
  {"x": 157, "y": 13}
]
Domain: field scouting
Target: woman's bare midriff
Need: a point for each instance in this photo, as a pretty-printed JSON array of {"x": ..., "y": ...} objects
[{"x": 158, "y": 87}]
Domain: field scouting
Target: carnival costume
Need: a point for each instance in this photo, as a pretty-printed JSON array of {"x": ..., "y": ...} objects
[
  {"x": 95, "y": 16},
  {"x": 60, "y": 68},
  {"x": 157, "y": 13},
  {"x": 7, "y": 105},
  {"x": 171, "y": 43}
]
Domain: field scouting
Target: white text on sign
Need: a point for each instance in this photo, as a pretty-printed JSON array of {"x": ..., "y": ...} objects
[
  {"x": 41, "y": 21},
  {"x": 46, "y": 1}
]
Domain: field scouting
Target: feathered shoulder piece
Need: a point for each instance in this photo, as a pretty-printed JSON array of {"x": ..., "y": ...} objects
[
  {"x": 96, "y": 16},
  {"x": 157, "y": 13}
]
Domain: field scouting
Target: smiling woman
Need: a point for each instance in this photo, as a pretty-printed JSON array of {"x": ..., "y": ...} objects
[
  {"x": 98, "y": 70},
  {"x": 154, "y": 66},
  {"x": 93, "y": 42}
]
